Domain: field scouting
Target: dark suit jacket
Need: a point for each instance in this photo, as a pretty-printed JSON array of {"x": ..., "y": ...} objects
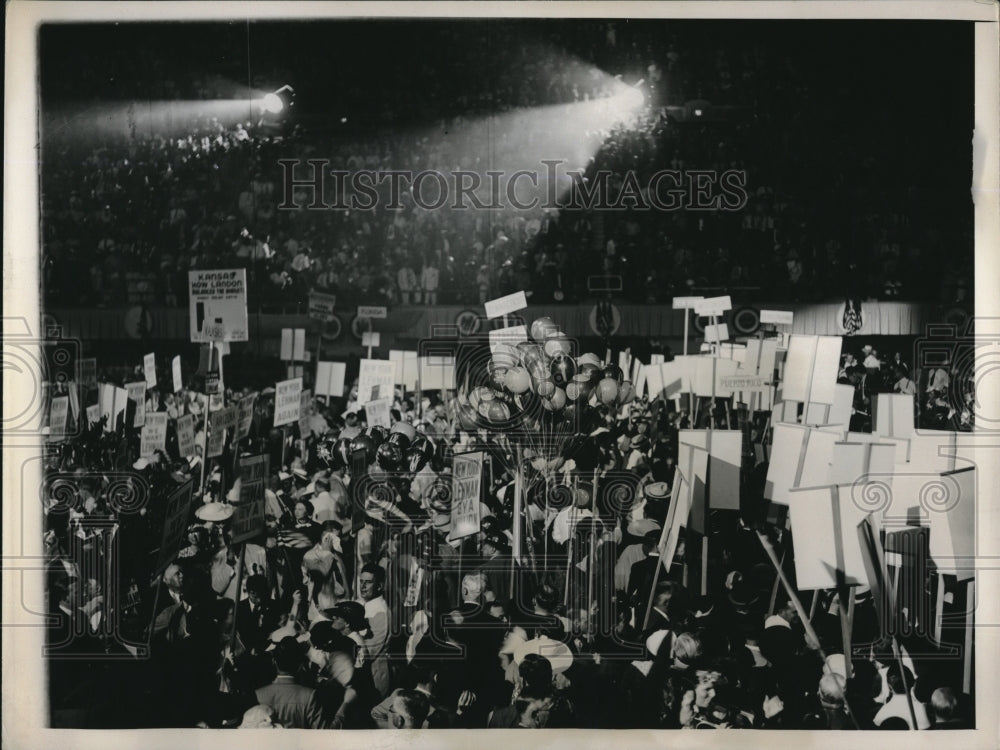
[{"x": 254, "y": 627}]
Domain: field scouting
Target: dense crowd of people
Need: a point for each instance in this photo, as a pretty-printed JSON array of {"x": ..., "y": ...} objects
[
  {"x": 129, "y": 216},
  {"x": 354, "y": 608}
]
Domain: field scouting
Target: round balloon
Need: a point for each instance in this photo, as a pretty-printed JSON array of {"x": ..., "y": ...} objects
[
  {"x": 498, "y": 412},
  {"x": 398, "y": 438},
  {"x": 415, "y": 460},
  {"x": 556, "y": 401},
  {"x": 364, "y": 443},
  {"x": 541, "y": 328},
  {"x": 545, "y": 388},
  {"x": 467, "y": 417},
  {"x": 614, "y": 372},
  {"x": 389, "y": 456},
  {"x": 343, "y": 450},
  {"x": 626, "y": 392},
  {"x": 404, "y": 428},
  {"x": 563, "y": 369},
  {"x": 517, "y": 380},
  {"x": 557, "y": 344},
  {"x": 607, "y": 391}
]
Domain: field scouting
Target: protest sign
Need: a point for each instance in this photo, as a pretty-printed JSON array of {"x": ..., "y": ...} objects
[
  {"x": 467, "y": 475},
  {"x": 800, "y": 456},
  {"x": 677, "y": 516},
  {"x": 330, "y": 378},
  {"x": 321, "y": 306},
  {"x": 893, "y": 415},
  {"x": 506, "y": 305},
  {"x": 137, "y": 394},
  {"x": 149, "y": 369},
  {"x": 777, "y": 317},
  {"x": 716, "y": 333},
  {"x": 218, "y": 305},
  {"x": 293, "y": 344},
  {"x": 810, "y": 370},
  {"x": 406, "y": 368},
  {"x": 254, "y": 468},
  {"x": 686, "y": 303},
  {"x": 511, "y": 336},
  {"x": 113, "y": 402},
  {"x": 377, "y": 413},
  {"x": 93, "y": 414},
  {"x": 248, "y": 516},
  {"x": 175, "y": 368},
  {"x": 413, "y": 587},
  {"x": 87, "y": 372},
  {"x": 725, "y": 459},
  {"x": 372, "y": 313},
  {"x": 372, "y": 339},
  {"x": 216, "y": 434},
  {"x": 174, "y": 525},
  {"x": 376, "y": 380},
  {"x": 185, "y": 436},
  {"x": 710, "y": 306},
  {"x": 287, "y": 401},
  {"x": 58, "y": 414},
  {"x": 305, "y": 412},
  {"x": 825, "y": 524},
  {"x": 154, "y": 434},
  {"x": 244, "y": 416}
]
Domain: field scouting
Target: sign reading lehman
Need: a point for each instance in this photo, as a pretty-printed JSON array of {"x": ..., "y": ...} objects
[{"x": 218, "y": 307}]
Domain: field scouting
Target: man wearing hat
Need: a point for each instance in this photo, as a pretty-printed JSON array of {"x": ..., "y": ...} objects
[
  {"x": 348, "y": 619},
  {"x": 352, "y": 428},
  {"x": 497, "y": 564}
]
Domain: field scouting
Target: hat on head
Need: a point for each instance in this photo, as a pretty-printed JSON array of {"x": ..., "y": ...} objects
[
  {"x": 352, "y": 612},
  {"x": 557, "y": 652},
  {"x": 215, "y": 512},
  {"x": 657, "y": 491},
  {"x": 496, "y": 539},
  {"x": 300, "y": 473},
  {"x": 642, "y": 527},
  {"x": 655, "y": 640}
]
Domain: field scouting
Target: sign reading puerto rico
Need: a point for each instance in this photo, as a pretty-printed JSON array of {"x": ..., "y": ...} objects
[
  {"x": 467, "y": 477},
  {"x": 218, "y": 308}
]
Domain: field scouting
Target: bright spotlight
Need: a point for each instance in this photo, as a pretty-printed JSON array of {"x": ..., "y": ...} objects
[{"x": 272, "y": 103}]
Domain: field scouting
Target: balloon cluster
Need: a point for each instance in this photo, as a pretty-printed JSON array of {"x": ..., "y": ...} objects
[
  {"x": 399, "y": 448},
  {"x": 539, "y": 378}
]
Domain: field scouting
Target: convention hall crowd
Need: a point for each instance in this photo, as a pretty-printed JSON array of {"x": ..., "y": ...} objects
[{"x": 353, "y": 602}]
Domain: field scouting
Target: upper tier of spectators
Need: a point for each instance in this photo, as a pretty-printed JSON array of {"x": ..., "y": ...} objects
[{"x": 832, "y": 213}]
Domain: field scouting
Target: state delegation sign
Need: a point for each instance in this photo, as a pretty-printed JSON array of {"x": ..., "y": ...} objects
[
  {"x": 466, "y": 481},
  {"x": 218, "y": 307}
]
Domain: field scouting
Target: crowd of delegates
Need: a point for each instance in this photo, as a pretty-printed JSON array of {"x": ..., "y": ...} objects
[
  {"x": 155, "y": 204},
  {"x": 585, "y": 628},
  {"x": 944, "y": 398}
]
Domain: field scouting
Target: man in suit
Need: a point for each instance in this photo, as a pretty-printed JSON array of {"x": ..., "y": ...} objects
[
  {"x": 295, "y": 706},
  {"x": 257, "y": 615}
]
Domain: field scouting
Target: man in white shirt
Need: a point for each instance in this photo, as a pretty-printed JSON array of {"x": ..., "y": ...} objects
[
  {"x": 324, "y": 506},
  {"x": 371, "y": 582}
]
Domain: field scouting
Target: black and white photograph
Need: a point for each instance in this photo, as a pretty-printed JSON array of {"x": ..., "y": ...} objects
[{"x": 501, "y": 366}]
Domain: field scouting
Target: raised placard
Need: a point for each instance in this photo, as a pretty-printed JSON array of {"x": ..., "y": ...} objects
[
  {"x": 506, "y": 305},
  {"x": 372, "y": 313},
  {"x": 218, "y": 305},
  {"x": 777, "y": 317},
  {"x": 287, "y": 401}
]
